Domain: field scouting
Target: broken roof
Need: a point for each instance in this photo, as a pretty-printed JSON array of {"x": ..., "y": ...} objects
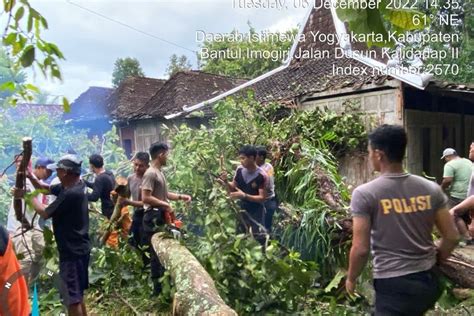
[
  {"x": 186, "y": 88},
  {"x": 302, "y": 76},
  {"x": 90, "y": 105},
  {"x": 131, "y": 96},
  {"x": 27, "y": 109},
  {"x": 310, "y": 74}
]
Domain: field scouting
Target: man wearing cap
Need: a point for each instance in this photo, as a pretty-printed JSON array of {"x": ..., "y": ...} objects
[
  {"x": 71, "y": 229},
  {"x": 461, "y": 211},
  {"x": 456, "y": 178},
  {"x": 29, "y": 244}
]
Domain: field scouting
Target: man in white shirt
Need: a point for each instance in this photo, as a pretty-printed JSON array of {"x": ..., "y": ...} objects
[{"x": 29, "y": 244}]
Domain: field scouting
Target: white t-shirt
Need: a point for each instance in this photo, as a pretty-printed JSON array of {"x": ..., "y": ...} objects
[{"x": 13, "y": 225}]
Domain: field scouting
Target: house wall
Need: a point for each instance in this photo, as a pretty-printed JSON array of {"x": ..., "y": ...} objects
[
  {"x": 430, "y": 133},
  {"x": 143, "y": 133},
  {"x": 429, "y": 130},
  {"x": 380, "y": 107},
  {"x": 127, "y": 139},
  {"x": 146, "y": 133}
]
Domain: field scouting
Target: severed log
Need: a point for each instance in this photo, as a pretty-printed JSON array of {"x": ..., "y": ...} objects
[
  {"x": 21, "y": 180},
  {"x": 196, "y": 293},
  {"x": 459, "y": 268}
]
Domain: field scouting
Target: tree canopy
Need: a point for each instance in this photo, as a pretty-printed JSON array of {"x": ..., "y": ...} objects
[
  {"x": 177, "y": 63},
  {"x": 245, "y": 67},
  {"x": 124, "y": 68}
]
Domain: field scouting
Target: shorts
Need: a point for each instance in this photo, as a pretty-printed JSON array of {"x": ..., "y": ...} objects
[
  {"x": 465, "y": 215},
  {"x": 74, "y": 276}
]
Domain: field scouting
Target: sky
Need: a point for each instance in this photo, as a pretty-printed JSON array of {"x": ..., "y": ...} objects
[{"x": 93, "y": 34}]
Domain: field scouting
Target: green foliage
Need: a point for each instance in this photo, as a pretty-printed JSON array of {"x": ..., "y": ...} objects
[
  {"x": 10, "y": 77},
  {"x": 177, "y": 64},
  {"x": 245, "y": 67},
  {"x": 380, "y": 20},
  {"x": 44, "y": 97},
  {"x": 23, "y": 42},
  {"x": 124, "y": 68},
  {"x": 114, "y": 155},
  {"x": 465, "y": 30},
  {"x": 249, "y": 280},
  {"x": 52, "y": 138},
  {"x": 422, "y": 17}
]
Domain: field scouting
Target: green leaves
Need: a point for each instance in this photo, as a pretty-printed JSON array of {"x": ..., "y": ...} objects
[
  {"x": 19, "y": 13},
  {"x": 335, "y": 282},
  {"x": 124, "y": 68},
  {"x": 404, "y": 19},
  {"x": 28, "y": 56},
  {"x": 245, "y": 66},
  {"x": 66, "y": 105},
  {"x": 279, "y": 280},
  {"x": 379, "y": 21},
  {"x": 24, "y": 45}
]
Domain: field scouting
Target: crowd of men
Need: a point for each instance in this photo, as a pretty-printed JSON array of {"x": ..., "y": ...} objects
[
  {"x": 64, "y": 199},
  {"x": 393, "y": 217}
]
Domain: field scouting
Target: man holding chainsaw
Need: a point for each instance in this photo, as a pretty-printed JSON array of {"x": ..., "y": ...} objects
[{"x": 158, "y": 211}]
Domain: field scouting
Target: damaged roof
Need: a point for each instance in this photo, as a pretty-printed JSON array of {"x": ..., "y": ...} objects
[
  {"x": 131, "y": 96},
  {"x": 90, "y": 105},
  {"x": 186, "y": 88},
  {"x": 310, "y": 75},
  {"x": 26, "y": 109}
]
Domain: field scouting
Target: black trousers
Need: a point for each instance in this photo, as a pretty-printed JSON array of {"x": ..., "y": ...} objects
[
  {"x": 153, "y": 222},
  {"x": 411, "y": 295},
  {"x": 270, "y": 207},
  {"x": 136, "y": 232},
  {"x": 251, "y": 221},
  {"x": 137, "y": 235}
]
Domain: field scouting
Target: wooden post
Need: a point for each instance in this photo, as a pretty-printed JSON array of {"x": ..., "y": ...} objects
[
  {"x": 20, "y": 181},
  {"x": 196, "y": 293}
]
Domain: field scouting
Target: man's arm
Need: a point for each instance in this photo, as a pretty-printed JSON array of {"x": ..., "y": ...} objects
[
  {"x": 40, "y": 209},
  {"x": 466, "y": 204},
  {"x": 449, "y": 234},
  {"x": 149, "y": 199},
  {"x": 126, "y": 202},
  {"x": 38, "y": 184},
  {"x": 260, "y": 198},
  {"x": 359, "y": 251},
  {"x": 177, "y": 197},
  {"x": 446, "y": 183}
]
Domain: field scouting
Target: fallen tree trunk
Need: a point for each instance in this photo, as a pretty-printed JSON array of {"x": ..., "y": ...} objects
[
  {"x": 460, "y": 267},
  {"x": 196, "y": 293}
]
